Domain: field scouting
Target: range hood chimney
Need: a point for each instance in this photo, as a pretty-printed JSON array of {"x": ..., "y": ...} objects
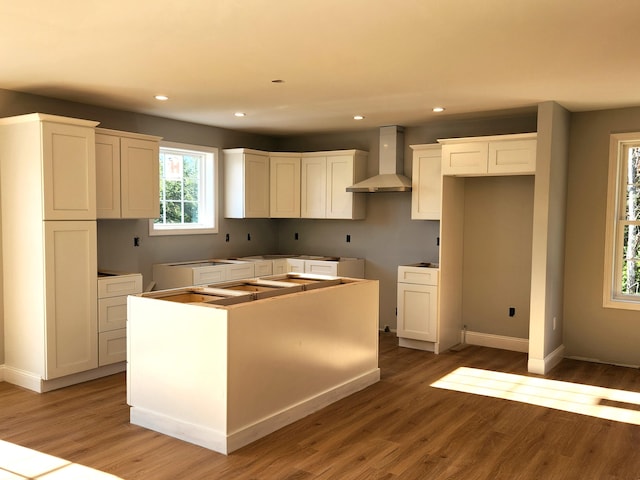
[{"x": 390, "y": 164}]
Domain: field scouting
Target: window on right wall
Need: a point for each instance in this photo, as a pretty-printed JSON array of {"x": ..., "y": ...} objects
[{"x": 622, "y": 243}]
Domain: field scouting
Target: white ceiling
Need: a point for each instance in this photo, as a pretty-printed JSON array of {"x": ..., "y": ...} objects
[{"x": 389, "y": 60}]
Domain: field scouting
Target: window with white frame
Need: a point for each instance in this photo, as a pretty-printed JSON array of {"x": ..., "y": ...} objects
[
  {"x": 622, "y": 243},
  {"x": 187, "y": 190}
]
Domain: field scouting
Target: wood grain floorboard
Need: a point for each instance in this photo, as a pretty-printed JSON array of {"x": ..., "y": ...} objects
[{"x": 401, "y": 428}]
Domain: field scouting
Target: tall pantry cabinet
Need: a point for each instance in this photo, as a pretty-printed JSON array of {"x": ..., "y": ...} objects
[{"x": 47, "y": 188}]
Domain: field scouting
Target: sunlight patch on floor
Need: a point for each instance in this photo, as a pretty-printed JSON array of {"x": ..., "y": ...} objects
[
  {"x": 607, "y": 403},
  {"x": 20, "y": 463}
]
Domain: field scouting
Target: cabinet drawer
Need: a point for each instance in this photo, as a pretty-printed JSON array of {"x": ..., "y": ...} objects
[
  {"x": 263, "y": 268},
  {"x": 240, "y": 271},
  {"x": 418, "y": 275},
  {"x": 112, "y": 347},
  {"x": 116, "y": 285},
  {"x": 321, "y": 267},
  {"x": 205, "y": 276},
  {"x": 112, "y": 313},
  {"x": 295, "y": 265}
]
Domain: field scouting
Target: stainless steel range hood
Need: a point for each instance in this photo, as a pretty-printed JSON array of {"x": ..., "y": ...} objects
[{"x": 390, "y": 164}]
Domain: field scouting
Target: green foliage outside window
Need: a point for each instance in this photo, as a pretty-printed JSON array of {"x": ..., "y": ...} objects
[
  {"x": 631, "y": 240},
  {"x": 180, "y": 180}
]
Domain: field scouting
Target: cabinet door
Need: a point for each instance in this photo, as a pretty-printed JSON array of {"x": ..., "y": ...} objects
[
  {"x": 107, "y": 176},
  {"x": 313, "y": 187},
  {"x": 465, "y": 158},
  {"x": 417, "y": 312},
  {"x": 339, "y": 177},
  {"x": 426, "y": 188},
  {"x": 285, "y": 186},
  {"x": 139, "y": 178},
  {"x": 256, "y": 190},
  {"x": 69, "y": 172},
  {"x": 71, "y": 297},
  {"x": 512, "y": 157}
]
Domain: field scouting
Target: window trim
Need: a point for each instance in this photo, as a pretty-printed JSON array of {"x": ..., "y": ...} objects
[
  {"x": 612, "y": 297},
  {"x": 211, "y": 170}
]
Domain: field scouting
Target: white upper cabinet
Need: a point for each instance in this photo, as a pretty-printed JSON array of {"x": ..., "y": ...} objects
[
  {"x": 127, "y": 179},
  {"x": 512, "y": 157},
  {"x": 494, "y": 155},
  {"x": 284, "y": 185},
  {"x": 426, "y": 183},
  {"x": 60, "y": 165},
  {"x": 325, "y": 178},
  {"x": 68, "y": 150},
  {"x": 246, "y": 183},
  {"x": 313, "y": 187}
]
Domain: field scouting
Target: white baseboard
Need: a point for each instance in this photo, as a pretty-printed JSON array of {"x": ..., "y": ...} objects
[
  {"x": 34, "y": 382},
  {"x": 497, "y": 341},
  {"x": 544, "y": 365},
  {"x": 228, "y": 442},
  {"x": 417, "y": 344}
]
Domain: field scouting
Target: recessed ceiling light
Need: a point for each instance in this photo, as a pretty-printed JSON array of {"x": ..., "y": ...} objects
[
  {"x": 240, "y": 114},
  {"x": 162, "y": 98},
  {"x": 438, "y": 109},
  {"x": 358, "y": 117}
]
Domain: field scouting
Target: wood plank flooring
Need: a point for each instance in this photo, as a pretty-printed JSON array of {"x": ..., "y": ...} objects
[{"x": 400, "y": 428}]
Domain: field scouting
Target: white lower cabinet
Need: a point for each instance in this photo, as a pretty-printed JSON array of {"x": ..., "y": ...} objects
[
  {"x": 333, "y": 266},
  {"x": 200, "y": 272},
  {"x": 418, "y": 307},
  {"x": 113, "y": 290}
]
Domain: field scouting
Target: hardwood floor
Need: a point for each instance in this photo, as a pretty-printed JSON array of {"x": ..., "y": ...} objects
[{"x": 399, "y": 428}]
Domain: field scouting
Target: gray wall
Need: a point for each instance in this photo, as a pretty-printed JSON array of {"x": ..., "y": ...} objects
[
  {"x": 498, "y": 231},
  {"x": 590, "y": 330}
]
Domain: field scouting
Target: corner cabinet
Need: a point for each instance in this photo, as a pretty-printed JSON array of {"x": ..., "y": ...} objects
[
  {"x": 426, "y": 183},
  {"x": 284, "y": 187},
  {"x": 246, "y": 183},
  {"x": 127, "y": 175},
  {"x": 325, "y": 177},
  {"x": 494, "y": 155},
  {"x": 48, "y": 247}
]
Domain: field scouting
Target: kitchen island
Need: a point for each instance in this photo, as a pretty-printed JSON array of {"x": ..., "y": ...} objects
[{"x": 221, "y": 369}]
